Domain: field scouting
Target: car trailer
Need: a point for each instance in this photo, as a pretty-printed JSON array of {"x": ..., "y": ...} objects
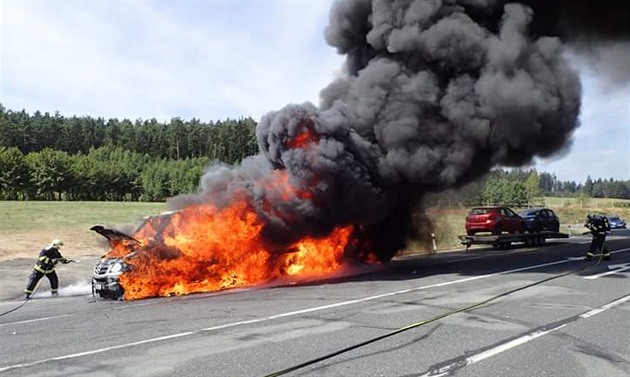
[{"x": 504, "y": 241}]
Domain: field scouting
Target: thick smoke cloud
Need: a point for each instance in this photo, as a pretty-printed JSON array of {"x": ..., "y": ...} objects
[
  {"x": 598, "y": 31},
  {"x": 435, "y": 93}
]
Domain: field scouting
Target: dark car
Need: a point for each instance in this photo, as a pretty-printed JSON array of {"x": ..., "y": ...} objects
[
  {"x": 495, "y": 220},
  {"x": 616, "y": 222},
  {"x": 540, "y": 219}
]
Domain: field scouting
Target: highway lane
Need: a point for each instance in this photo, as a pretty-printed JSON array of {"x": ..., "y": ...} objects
[{"x": 572, "y": 326}]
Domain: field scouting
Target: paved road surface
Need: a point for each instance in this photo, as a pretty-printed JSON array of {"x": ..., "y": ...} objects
[{"x": 577, "y": 325}]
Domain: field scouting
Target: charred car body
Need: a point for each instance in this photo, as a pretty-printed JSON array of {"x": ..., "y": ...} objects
[
  {"x": 106, "y": 276},
  {"x": 171, "y": 254}
]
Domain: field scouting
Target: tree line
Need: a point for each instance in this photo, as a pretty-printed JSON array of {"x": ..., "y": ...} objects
[
  {"x": 52, "y": 157},
  {"x": 522, "y": 187},
  {"x": 228, "y": 141}
]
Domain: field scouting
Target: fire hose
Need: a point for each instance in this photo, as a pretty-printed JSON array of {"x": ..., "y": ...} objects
[
  {"x": 34, "y": 291},
  {"x": 436, "y": 318}
]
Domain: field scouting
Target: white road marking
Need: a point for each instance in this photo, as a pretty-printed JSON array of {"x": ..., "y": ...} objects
[
  {"x": 448, "y": 369},
  {"x": 613, "y": 269},
  {"x": 575, "y": 258},
  {"x": 593, "y": 312},
  {"x": 595, "y": 258},
  {"x": 511, "y": 344},
  {"x": 36, "y": 320},
  {"x": 281, "y": 315}
]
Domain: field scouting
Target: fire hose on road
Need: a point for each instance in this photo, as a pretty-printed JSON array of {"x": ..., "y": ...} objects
[
  {"x": 34, "y": 291},
  {"x": 434, "y": 319}
]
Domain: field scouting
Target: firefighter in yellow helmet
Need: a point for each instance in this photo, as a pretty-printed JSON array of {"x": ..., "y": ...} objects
[{"x": 45, "y": 266}]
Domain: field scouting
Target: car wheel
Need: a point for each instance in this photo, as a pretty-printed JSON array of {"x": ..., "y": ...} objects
[
  {"x": 470, "y": 233},
  {"x": 497, "y": 230}
]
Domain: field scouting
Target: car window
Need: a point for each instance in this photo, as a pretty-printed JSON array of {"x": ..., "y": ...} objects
[
  {"x": 529, "y": 212},
  {"x": 479, "y": 211},
  {"x": 509, "y": 212}
]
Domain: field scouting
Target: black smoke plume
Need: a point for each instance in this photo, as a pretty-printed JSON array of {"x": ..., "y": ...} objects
[{"x": 434, "y": 94}]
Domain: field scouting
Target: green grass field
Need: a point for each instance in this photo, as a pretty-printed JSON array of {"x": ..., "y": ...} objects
[
  {"x": 25, "y": 217},
  {"x": 39, "y": 221},
  {"x": 26, "y": 227}
]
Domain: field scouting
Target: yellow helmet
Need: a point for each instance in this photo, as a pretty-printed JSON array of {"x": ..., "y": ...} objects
[{"x": 56, "y": 243}]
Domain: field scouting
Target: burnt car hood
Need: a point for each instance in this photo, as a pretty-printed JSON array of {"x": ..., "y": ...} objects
[{"x": 112, "y": 234}]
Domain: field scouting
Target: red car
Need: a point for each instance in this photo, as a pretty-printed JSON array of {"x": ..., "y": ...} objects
[{"x": 495, "y": 220}]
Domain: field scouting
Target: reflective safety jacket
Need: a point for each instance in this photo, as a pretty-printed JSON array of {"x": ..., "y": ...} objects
[
  {"x": 598, "y": 224},
  {"x": 47, "y": 260}
]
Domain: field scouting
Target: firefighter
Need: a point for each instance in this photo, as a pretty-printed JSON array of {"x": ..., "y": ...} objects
[
  {"x": 45, "y": 266},
  {"x": 599, "y": 227}
]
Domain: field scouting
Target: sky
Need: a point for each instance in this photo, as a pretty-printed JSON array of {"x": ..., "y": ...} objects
[{"x": 213, "y": 60}]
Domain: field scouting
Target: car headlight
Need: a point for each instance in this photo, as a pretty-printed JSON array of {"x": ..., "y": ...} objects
[{"x": 116, "y": 267}]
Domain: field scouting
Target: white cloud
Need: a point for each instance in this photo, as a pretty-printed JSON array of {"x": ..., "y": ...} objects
[
  {"x": 142, "y": 59},
  {"x": 601, "y": 145}
]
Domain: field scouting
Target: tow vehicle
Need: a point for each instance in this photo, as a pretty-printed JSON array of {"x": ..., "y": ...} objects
[{"x": 504, "y": 241}]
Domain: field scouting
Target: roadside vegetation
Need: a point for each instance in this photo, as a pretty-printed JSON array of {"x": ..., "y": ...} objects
[{"x": 52, "y": 157}]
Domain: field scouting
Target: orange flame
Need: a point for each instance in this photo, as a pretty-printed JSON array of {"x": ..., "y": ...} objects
[
  {"x": 303, "y": 139},
  {"x": 204, "y": 249}
]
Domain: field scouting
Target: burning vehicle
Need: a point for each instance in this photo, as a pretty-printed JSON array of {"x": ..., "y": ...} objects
[
  {"x": 106, "y": 276},
  {"x": 201, "y": 249}
]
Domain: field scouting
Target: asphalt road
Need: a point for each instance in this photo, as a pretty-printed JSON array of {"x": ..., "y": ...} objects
[{"x": 575, "y": 325}]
